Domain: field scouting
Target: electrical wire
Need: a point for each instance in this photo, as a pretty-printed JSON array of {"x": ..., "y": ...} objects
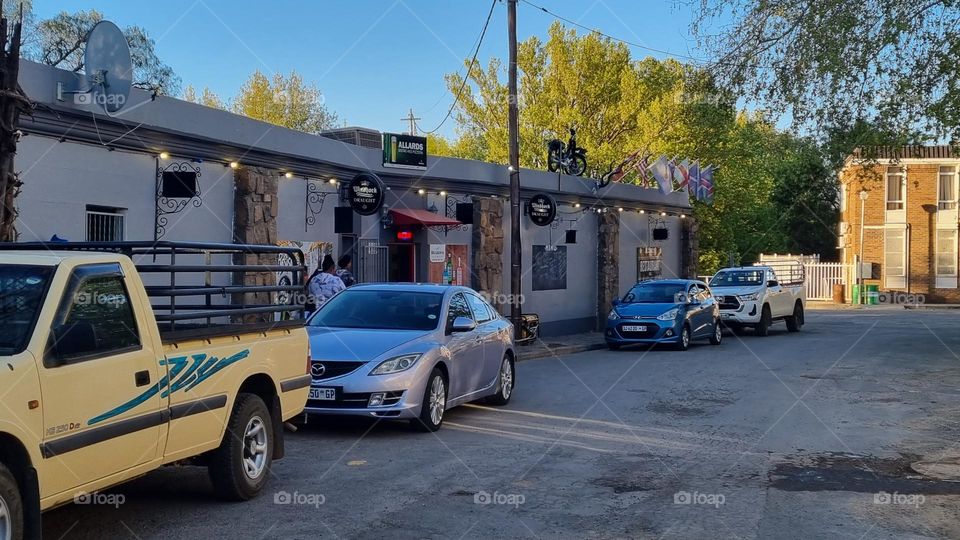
[
  {"x": 608, "y": 36},
  {"x": 473, "y": 60}
]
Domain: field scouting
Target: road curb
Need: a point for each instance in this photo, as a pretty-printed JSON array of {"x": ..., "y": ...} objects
[{"x": 557, "y": 351}]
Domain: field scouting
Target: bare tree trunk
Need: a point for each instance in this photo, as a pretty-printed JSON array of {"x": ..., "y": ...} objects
[{"x": 13, "y": 101}]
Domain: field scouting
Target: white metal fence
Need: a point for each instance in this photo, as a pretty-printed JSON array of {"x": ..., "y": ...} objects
[{"x": 821, "y": 277}]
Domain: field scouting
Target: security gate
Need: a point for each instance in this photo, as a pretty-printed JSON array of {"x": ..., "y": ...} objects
[
  {"x": 373, "y": 262},
  {"x": 821, "y": 277}
]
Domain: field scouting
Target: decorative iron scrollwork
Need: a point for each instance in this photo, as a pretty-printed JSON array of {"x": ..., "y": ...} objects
[
  {"x": 451, "y": 211},
  {"x": 166, "y": 206},
  {"x": 313, "y": 205}
]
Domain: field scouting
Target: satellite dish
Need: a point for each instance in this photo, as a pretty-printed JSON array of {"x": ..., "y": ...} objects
[{"x": 108, "y": 66}]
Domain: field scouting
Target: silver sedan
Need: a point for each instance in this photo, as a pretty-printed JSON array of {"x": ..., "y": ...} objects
[{"x": 408, "y": 351}]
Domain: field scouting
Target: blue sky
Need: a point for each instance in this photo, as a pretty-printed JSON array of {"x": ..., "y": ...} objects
[{"x": 372, "y": 59}]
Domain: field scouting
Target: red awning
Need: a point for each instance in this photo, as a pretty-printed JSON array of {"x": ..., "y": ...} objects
[{"x": 407, "y": 216}]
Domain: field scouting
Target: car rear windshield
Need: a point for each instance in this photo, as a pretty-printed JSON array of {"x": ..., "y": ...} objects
[
  {"x": 655, "y": 293},
  {"x": 737, "y": 278},
  {"x": 22, "y": 290},
  {"x": 380, "y": 309}
]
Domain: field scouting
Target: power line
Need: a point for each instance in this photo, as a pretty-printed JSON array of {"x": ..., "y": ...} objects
[
  {"x": 473, "y": 60},
  {"x": 608, "y": 36}
]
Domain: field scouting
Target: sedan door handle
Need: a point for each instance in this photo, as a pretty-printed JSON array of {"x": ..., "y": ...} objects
[{"x": 142, "y": 378}]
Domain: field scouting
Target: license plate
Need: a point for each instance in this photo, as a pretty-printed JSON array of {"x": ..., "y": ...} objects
[
  {"x": 323, "y": 394},
  {"x": 634, "y": 328}
]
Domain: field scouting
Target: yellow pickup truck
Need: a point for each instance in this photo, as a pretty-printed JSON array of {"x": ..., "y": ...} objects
[{"x": 103, "y": 379}]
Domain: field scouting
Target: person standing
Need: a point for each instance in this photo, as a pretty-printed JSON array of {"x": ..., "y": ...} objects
[
  {"x": 345, "y": 273},
  {"x": 325, "y": 284}
]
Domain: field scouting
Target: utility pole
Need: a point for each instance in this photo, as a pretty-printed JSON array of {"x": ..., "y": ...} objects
[
  {"x": 413, "y": 122},
  {"x": 513, "y": 125}
]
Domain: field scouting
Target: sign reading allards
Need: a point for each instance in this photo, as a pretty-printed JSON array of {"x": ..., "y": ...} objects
[
  {"x": 366, "y": 194},
  {"x": 542, "y": 209},
  {"x": 404, "y": 151}
]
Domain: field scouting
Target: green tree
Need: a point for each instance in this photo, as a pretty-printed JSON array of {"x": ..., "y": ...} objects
[
  {"x": 59, "y": 41},
  {"x": 619, "y": 105},
  {"x": 206, "y": 98},
  {"x": 834, "y": 64},
  {"x": 285, "y": 101}
]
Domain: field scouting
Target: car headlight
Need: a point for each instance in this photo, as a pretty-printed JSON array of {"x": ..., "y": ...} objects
[
  {"x": 396, "y": 365},
  {"x": 749, "y": 297},
  {"x": 670, "y": 315},
  {"x": 613, "y": 315}
]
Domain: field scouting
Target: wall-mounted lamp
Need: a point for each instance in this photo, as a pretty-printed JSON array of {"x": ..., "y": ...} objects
[
  {"x": 234, "y": 165},
  {"x": 164, "y": 155}
]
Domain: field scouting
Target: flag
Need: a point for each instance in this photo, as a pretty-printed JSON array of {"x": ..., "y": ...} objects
[
  {"x": 662, "y": 172},
  {"x": 705, "y": 193},
  {"x": 683, "y": 176},
  {"x": 643, "y": 171},
  {"x": 693, "y": 175}
]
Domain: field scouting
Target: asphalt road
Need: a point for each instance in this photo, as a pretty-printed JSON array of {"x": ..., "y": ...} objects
[{"x": 808, "y": 435}]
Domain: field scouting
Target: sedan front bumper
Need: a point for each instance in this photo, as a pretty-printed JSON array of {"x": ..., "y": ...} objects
[
  {"x": 622, "y": 331},
  {"x": 395, "y": 396}
]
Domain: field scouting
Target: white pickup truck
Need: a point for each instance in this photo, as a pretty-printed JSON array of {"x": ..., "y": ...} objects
[
  {"x": 104, "y": 379},
  {"x": 758, "y": 296}
]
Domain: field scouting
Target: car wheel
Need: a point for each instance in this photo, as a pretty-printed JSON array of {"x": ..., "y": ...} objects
[
  {"x": 434, "y": 403},
  {"x": 763, "y": 327},
  {"x": 613, "y": 346},
  {"x": 795, "y": 321},
  {"x": 717, "y": 336},
  {"x": 684, "y": 342},
  {"x": 506, "y": 383},
  {"x": 241, "y": 466},
  {"x": 11, "y": 507}
]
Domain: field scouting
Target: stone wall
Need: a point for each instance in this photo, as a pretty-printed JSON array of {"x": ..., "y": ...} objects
[
  {"x": 608, "y": 265},
  {"x": 689, "y": 248},
  {"x": 487, "y": 246},
  {"x": 255, "y": 222}
]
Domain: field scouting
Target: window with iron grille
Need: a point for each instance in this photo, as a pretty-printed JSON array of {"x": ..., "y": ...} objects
[{"x": 105, "y": 224}]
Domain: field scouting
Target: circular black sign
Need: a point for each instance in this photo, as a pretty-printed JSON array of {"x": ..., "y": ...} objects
[
  {"x": 366, "y": 194},
  {"x": 543, "y": 209}
]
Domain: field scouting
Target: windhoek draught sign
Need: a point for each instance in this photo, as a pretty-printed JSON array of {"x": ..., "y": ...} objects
[
  {"x": 366, "y": 194},
  {"x": 542, "y": 209},
  {"x": 404, "y": 151}
]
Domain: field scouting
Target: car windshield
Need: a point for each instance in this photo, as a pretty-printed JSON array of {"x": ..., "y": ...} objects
[
  {"x": 656, "y": 293},
  {"x": 380, "y": 309},
  {"x": 22, "y": 290},
  {"x": 737, "y": 278}
]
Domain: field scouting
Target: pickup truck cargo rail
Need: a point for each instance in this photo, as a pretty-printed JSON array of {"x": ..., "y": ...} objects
[{"x": 223, "y": 308}]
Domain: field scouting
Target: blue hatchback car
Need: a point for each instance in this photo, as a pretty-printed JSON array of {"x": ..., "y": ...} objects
[{"x": 674, "y": 311}]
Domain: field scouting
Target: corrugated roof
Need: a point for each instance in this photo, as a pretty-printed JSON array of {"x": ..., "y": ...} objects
[{"x": 908, "y": 152}]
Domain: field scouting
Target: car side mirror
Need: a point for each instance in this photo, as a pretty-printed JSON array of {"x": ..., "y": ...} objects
[
  {"x": 463, "y": 324},
  {"x": 69, "y": 340},
  {"x": 773, "y": 283}
]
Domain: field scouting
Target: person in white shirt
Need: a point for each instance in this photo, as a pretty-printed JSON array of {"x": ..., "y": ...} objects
[{"x": 325, "y": 283}]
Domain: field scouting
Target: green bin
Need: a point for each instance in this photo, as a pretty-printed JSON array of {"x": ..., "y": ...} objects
[
  {"x": 856, "y": 294},
  {"x": 873, "y": 294}
]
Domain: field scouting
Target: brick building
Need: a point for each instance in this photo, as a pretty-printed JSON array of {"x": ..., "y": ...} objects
[{"x": 910, "y": 220}]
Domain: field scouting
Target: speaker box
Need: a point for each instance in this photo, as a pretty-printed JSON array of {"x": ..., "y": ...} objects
[
  {"x": 343, "y": 220},
  {"x": 661, "y": 234},
  {"x": 571, "y": 236},
  {"x": 465, "y": 213}
]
